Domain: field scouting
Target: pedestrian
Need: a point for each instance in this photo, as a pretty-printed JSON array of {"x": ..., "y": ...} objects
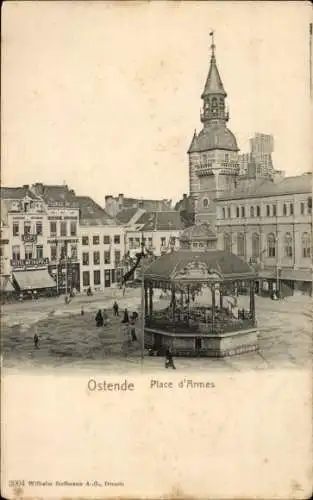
[
  {"x": 169, "y": 362},
  {"x": 115, "y": 309},
  {"x": 105, "y": 317},
  {"x": 133, "y": 330},
  {"x": 99, "y": 318},
  {"x": 126, "y": 317},
  {"x": 82, "y": 312},
  {"x": 36, "y": 341}
]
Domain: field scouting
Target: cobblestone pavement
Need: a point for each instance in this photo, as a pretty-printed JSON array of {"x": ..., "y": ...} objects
[{"x": 69, "y": 340}]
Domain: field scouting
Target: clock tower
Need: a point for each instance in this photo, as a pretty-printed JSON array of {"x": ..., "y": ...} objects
[{"x": 213, "y": 153}]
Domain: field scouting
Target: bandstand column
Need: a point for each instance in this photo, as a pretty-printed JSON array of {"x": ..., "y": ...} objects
[
  {"x": 173, "y": 301},
  {"x": 150, "y": 299},
  {"x": 146, "y": 300},
  {"x": 252, "y": 300},
  {"x": 221, "y": 297},
  {"x": 213, "y": 306}
]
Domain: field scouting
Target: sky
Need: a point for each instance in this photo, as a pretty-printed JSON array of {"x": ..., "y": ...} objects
[{"x": 106, "y": 96}]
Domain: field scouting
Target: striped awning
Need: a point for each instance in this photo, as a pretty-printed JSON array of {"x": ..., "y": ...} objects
[
  {"x": 32, "y": 280},
  {"x": 6, "y": 285}
]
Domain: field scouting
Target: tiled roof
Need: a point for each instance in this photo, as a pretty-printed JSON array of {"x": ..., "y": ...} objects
[
  {"x": 229, "y": 265},
  {"x": 56, "y": 194},
  {"x": 124, "y": 216},
  {"x": 161, "y": 221},
  {"x": 91, "y": 214},
  {"x": 16, "y": 193},
  {"x": 299, "y": 184}
]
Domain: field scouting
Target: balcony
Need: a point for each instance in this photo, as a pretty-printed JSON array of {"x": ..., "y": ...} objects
[{"x": 29, "y": 238}]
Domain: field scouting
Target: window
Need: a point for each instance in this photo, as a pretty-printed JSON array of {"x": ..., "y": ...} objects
[
  {"x": 39, "y": 252},
  {"x": 291, "y": 208},
  {"x": 288, "y": 245},
  {"x": 309, "y": 205},
  {"x": 243, "y": 212},
  {"x": 27, "y": 228},
  {"x": 96, "y": 258},
  {"x": 205, "y": 203},
  {"x": 302, "y": 208},
  {"x": 107, "y": 257},
  {"x": 274, "y": 210},
  {"x": 268, "y": 210},
  {"x": 271, "y": 245},
  {"x": 285, "y": 209},
  {"x": 163, "y": 242},
  {"x": 117, "y": 257},
  {"x": 53, "y": 252},
  {"x": 28, "y": 252},
  {"x": 255, "y": 245},
  {"x": 227, "y": 242},
  {"x": 1, "y": 251},
  {"x": 226, "y": 157},
  {"x": 117, "y": 239},
  {"x": 223, "y": 213},
  {"x": 306, "y": 245},
  {"x": 106, "y": 240},
  {"x": 85, "y": 240},
  {"x": 16, "y": 253},
  {"x": 39, "y": 228},
  {"x": 241, "y": 244},
  {"x": 150, "y": 242},
  {"x": 251, "y": 211},
  {"x": 229, "y": 212},
  {"x": 74, "y": 252},
  {"x": 53, "y": 228},
  {"x": 63, "y": 228},
  {"x": 86, "y": 278},
  {"x": 137, "y": 241},
  {"x": 73, "y": 228},
  {"x": 96, "y": 278},
  {"x": 258, "y": 211},
  {"x": 64, "y": 252},
  {"x": 131, "y": 242},
  {"x": 85, "y": 258},
  {"x": 237, "y": 212},
  {"x": 96, "y": 240},
  {"x": 16, "y": 228}
]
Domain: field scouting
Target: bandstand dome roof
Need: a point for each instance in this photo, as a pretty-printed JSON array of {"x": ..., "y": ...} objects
[
  {"x": 198, "y": 232},
  {"x": 198, "y": 266}
]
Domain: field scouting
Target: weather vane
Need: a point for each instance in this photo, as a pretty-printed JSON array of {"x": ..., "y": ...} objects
[{"x": 212, "y": 42}]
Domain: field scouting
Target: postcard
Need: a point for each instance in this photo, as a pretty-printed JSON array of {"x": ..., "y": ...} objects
[{"x": 156, "y": 250}]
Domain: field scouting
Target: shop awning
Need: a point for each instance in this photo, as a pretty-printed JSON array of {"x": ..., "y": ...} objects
[
  {"x": 264, "y": 274},
  {"x": 6, "y": 285},
  {"x": 32, "y": 280},
  {"x": 296, "y": 274}
]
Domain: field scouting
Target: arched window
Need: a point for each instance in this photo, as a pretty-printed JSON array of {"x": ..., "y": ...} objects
[
  {"x": 288, "y": 245},
  {"x": 227, "y": 242},
  {"x": 251, "y": 211},
  {"x": 271, "y": 245},
  {"x": 214, "y": 105},
  {"x": 268, "y": 210},
  {"x": 285, "y": 209},
  {"x": 240, "y": 244},
  {"x": 205, "y": 203},
  {"x": 306, "y": 245},
  {"x": 255, "y": 245},
  {"x": 258, "y": 211}
]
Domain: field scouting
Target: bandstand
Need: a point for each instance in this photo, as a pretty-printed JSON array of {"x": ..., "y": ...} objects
[{"x": 216, "y": 327}]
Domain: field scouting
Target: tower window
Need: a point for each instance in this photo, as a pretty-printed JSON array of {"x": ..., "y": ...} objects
[{"x": 205, "y": 203}]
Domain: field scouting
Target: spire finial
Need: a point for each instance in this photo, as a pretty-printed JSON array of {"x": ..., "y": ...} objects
[{"x": 212, "y": 43}]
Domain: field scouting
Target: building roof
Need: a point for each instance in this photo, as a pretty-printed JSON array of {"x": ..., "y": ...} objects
[
  {"x": 16, "y": 193},
  {"x": 161, "y": 221},
  {"x": 124, "y": 216},
  {"x": 170, "y": 265},
  {"x": 214, "y": 136},
  {"x": 299, "y": 184},
  {"x": 56, "y": 194},
  {"x": 198, "y": 232},
  {"x": 213, "y": 83},
  {"x": 91, "y": 214}
]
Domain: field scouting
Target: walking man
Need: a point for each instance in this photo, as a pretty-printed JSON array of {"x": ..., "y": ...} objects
[
  {"x": 36, "y": 341},
  {"x": 115, "y": 308}
]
